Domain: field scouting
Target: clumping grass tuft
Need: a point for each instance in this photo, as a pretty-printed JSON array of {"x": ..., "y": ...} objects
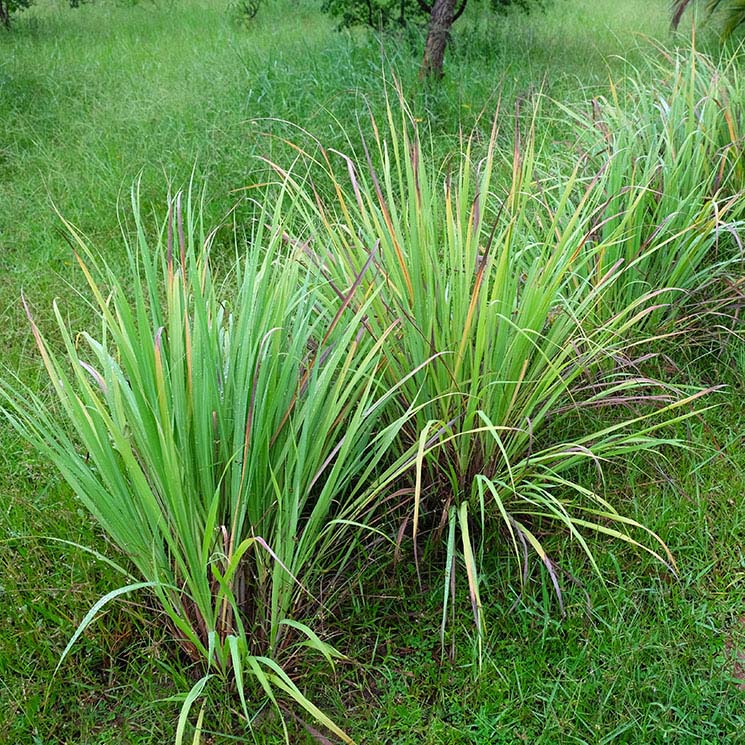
[
  {"x": 224, "y": 433},
  {"x": 667, "y": 157},
  {"x": 609, "y": 222},
  {"x": 489, "y": 281}
]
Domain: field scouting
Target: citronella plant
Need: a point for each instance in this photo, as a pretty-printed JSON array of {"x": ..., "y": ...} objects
[
  {"x": 489, "y": 279},
  {"x": 224, "y": 433}
]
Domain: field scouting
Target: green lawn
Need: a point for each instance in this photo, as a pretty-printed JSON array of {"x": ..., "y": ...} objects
[{"x": 92, "y": 100}]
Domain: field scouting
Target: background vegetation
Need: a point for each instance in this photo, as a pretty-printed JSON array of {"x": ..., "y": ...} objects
[{"x": 94, "y": 99}]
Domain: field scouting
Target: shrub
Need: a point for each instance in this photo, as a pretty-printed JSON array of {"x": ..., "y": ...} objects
[{"x": 244, "y": 11}]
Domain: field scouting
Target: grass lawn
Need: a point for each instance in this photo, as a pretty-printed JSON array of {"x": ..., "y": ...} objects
[{"x": 95, "y": 98}]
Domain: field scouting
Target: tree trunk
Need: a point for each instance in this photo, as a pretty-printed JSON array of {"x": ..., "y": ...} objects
[
  {"x": 4, "y": 14},
  {"x": 440, "y": 21}
]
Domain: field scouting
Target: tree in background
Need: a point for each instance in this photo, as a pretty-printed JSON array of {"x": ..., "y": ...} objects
[
  {"x": 8, "y": 7},
  {"x": 733, "y": 12},
  {"x": 439, "y": 15}
]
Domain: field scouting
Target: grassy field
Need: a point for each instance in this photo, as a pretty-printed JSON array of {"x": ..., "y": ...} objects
[{"x": 92, "y": 100}]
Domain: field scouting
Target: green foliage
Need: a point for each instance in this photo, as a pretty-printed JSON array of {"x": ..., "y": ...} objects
[
  {"x": 502, "y": 6},
  {"x": 224, "y": 433},
  {"x": 244, "y": 11},
  {"x": 377, "y": 14},
  {"x": 386, "y": 14},
  {"x": 640, "y": 657},
  {"x": 670, "y": 209},
  {"x": 9, "y": 7},
  {"x": 489, "y": 281},
  {"x": 731, "y": 12}
]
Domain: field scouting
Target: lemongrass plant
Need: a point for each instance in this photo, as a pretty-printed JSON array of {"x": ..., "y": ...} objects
[
  {"x": 226, "y": 435},
  {"x": 491, "y": 278},
  {"x": 668, "y": 154}
]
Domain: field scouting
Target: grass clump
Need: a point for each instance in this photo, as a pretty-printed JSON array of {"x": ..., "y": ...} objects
[
  {"x": 457, "y": 305},
  {"x": 669, "y": 156},
  {"x": 487, "y": 278},
  {"x": 224, "y": 434},
  {"x": 232, "y": 437}
]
